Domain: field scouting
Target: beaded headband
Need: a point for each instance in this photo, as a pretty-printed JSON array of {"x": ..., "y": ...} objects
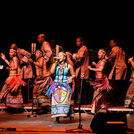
[
  {"x": 63, "y": 54},
  {"x": 12, "y": 50},
  {"x": 102, "y": 50}
]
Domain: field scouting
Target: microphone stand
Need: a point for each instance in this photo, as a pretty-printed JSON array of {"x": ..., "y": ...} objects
[
  {"x": 33, "y": 50},
  {"x": 79, "y": 128},
  {"x": 31, "y": 115}
]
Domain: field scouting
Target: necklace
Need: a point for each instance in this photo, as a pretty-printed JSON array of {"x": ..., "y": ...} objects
[{"x": 61, "y": 68}]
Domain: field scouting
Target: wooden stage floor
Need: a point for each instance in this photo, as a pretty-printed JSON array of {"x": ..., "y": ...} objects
[{"x": 44, "y": 124}]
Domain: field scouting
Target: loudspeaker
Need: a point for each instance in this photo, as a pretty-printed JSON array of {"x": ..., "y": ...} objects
[{"x": 109, "y": 123}]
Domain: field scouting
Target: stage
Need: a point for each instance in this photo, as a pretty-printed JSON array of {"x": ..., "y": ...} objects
[
  {"x": 41, "y": 124},
  {"x": 18, "y": 123}
]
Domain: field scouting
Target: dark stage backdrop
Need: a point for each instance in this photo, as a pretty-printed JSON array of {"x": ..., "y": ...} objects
[{"x": 94, "y": 39}]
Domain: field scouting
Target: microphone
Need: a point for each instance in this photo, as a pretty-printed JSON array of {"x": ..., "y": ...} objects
[{"x": 56, "y": 58}]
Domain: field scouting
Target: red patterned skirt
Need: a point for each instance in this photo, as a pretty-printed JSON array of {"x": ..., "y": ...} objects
[
  {"x": 12, "y": 91},
  {"x": 14, "y": 82},
  {"x": 101, "y": 88}
]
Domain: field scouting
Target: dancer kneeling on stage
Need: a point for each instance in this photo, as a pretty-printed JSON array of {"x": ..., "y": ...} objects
[
  {"x": 11, "y": 90},
  {"x": 101, "y": 84},
  {"x": 60, "y": 89},
  {"x": 42, "y": 81}
]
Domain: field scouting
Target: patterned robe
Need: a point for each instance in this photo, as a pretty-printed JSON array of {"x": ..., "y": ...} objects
[
  {"x": 61, "y": 93},
  {"x": 11, "y": 90},
  {"x": 101, "y": 87},
  {"x": 42, "y": 83},
  {"x": 117, "y": 57}
]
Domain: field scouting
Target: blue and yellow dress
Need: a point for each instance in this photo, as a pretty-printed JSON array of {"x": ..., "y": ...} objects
[{"x": 61, "y": 92}]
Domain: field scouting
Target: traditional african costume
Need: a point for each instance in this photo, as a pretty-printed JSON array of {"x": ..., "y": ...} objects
[
  {"x": 12, "y": 89},
  {"x": 101, "y": 87},
  {"x": 42, "y": 83},
  {"x": 61, "y": 92}
]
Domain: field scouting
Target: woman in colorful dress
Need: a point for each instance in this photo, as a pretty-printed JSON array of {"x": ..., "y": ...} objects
[
  {"x": 11, "y": 90},
  {"x": 101, "y": 84},
  {"x": 42, "y": 82},
  {"x": 60, "y": 89}
]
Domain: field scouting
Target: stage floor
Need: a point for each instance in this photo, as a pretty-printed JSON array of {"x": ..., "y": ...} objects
[{"x": 44, "y": 124}]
